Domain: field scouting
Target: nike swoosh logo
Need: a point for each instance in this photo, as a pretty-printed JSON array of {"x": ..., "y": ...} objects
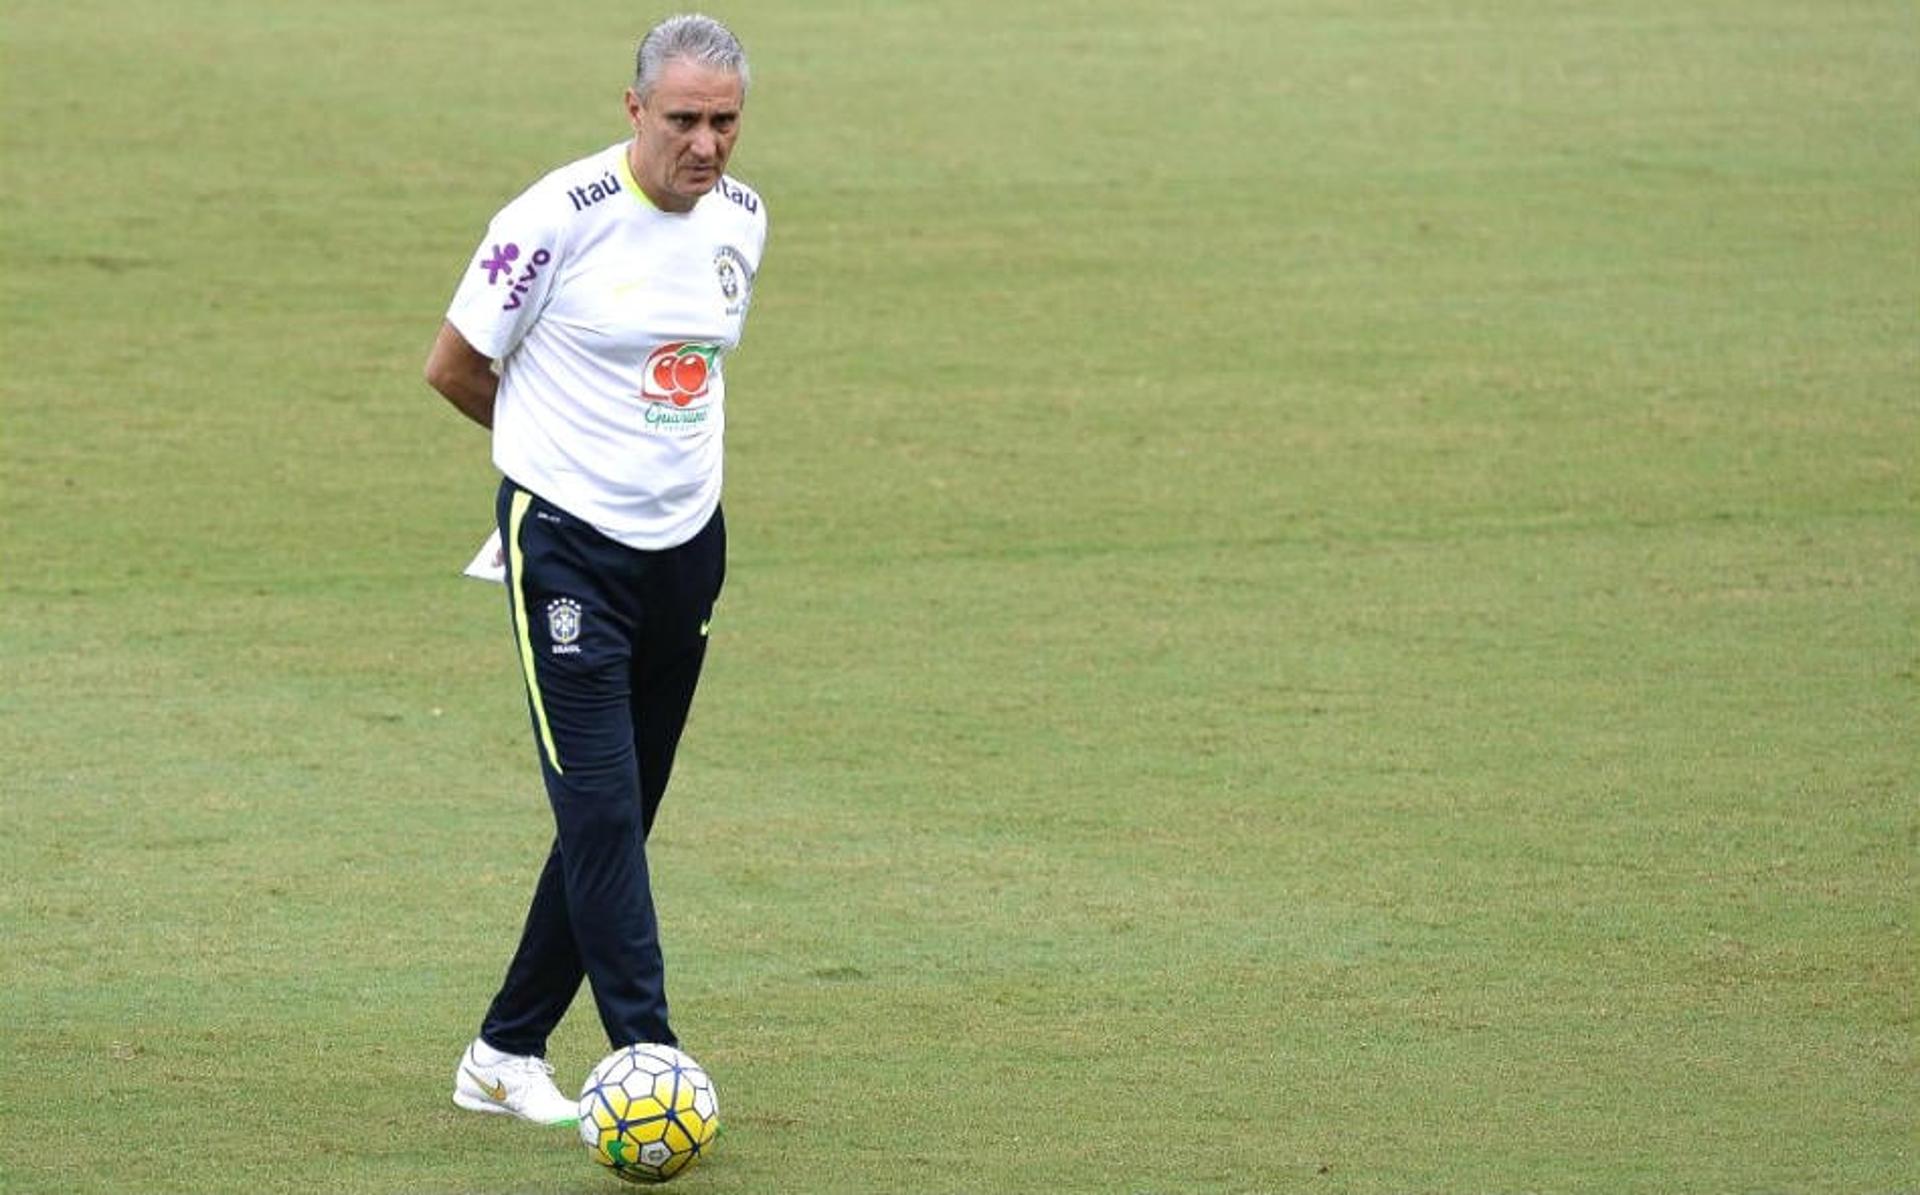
[
  {"x": 704, "y": 624},
  {"x": 496, "y": 1091}
]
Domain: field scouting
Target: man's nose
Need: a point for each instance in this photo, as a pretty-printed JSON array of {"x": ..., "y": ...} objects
[{"x": 705, "y": 143}]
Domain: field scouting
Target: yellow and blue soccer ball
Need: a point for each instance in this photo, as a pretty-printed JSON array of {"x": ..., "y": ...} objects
[{"x": 648, "y": 1112}]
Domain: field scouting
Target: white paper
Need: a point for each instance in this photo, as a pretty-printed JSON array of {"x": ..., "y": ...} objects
[{"x": 490, "y": 562}]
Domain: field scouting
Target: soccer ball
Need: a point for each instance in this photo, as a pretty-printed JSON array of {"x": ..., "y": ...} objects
[{"x": 648, "y": 1112}]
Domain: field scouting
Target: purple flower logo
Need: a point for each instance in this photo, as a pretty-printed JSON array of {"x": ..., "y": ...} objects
[{"x": 501, "y": 262}]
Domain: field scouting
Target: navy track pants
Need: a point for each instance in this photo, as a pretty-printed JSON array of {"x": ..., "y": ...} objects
[{"x": 611, "y": 640}]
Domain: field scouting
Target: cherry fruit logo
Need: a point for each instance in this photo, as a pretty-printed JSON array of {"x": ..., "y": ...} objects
[{"x": 678, "y": 373}]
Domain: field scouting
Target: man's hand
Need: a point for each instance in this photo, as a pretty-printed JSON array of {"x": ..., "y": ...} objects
[{"x": 463, "y": 374}]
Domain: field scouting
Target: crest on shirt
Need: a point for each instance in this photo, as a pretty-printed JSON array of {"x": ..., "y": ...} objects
[
  {"x": 736, "y": 280},
  {"x": 563, "y": 624}
]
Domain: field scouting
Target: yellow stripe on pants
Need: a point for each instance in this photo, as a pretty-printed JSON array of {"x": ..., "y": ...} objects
[{"x": 518, "y": 595}]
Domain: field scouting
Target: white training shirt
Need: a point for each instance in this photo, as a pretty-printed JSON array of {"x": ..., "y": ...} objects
[{"x": 610, "y": 319}]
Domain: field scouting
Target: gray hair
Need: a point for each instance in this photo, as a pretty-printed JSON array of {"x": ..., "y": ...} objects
[{"x": 691, "y": 36}]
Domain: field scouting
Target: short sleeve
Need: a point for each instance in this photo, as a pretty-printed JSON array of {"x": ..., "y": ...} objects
[
  {"x": 761, "y": 220},
  {"x": 509, "y": 279}
]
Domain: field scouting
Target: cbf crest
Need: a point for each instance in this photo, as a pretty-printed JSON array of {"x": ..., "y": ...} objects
[
  {"x": 736, "y": 280},
  {"x": 563, "y": 625}
]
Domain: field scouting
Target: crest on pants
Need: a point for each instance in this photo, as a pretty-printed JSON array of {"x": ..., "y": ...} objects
[{"x": 563, "y": 621}]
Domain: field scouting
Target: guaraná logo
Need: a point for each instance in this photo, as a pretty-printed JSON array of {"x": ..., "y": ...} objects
[{"x": 678, "y": 373}]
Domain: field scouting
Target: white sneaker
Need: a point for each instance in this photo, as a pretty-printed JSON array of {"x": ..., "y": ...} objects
[{"x": 515, "y": 1085}]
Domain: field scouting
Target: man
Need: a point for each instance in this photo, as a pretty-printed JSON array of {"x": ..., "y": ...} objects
[{"x": 589, "y": 335}]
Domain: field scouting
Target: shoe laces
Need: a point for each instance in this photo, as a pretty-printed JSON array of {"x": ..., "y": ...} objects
[{"x": 530, "y": 1065}]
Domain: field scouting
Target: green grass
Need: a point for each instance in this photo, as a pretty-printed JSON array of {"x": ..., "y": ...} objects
[{"x": 1323, "y": 600}]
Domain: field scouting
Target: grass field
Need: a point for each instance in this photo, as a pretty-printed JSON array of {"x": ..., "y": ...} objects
[{"x": 1323, "y": 600}]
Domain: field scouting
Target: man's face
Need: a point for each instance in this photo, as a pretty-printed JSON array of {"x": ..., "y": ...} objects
[{"x": 684, "y": 132}]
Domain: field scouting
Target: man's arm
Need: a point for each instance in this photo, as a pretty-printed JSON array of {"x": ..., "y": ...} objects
[{"x": 463, "y": 375}]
